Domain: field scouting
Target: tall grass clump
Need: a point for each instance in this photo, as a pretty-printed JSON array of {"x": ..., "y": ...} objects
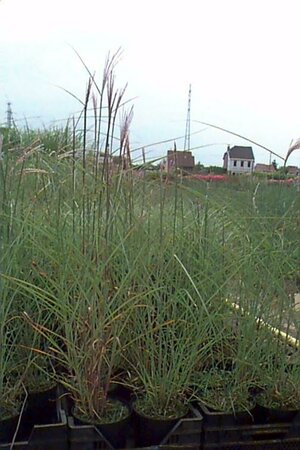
[{"x": 80, "y": 220}]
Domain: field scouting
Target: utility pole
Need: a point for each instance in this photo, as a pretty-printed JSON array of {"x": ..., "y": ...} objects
[
  {"x": 187, "y": 139},
  {"x": 9, "y": 116}
]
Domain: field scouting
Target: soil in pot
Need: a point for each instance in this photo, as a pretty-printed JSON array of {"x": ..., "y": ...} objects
[
  {"x": 221, "y": 410},
  {"x": 152, "y": 428},
  {"x": 114, "y": 422}
]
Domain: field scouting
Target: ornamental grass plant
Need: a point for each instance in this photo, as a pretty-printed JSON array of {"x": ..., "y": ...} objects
[
  {"x": 165, "y": 277},
  {"x": 11, "y": 392}
]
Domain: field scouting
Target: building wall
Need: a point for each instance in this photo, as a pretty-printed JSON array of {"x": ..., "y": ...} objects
[
  {"x": 293, "y": 170},
  {"x": 264, "y": 168},
  {"x": 225, "y": 161},
  {"x": 238, "y": 166},
  {"x": 181, "y": 159}
]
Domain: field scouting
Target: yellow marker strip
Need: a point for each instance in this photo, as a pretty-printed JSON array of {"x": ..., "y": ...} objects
[{"x": 281, "y": 334}]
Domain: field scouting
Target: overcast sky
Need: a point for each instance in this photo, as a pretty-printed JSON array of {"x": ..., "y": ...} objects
[{"x": 241, "y": 58}]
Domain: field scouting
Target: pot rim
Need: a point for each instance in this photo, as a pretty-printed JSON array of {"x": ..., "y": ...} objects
[
  {"x": 177, "y": 417},
  {"x": 95, "y": 423}
]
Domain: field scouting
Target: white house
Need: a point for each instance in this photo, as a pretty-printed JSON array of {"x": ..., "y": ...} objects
[{"x": 239, "y": 160}]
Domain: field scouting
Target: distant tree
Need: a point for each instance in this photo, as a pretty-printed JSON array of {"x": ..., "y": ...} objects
[
  {"x": 216, "y": 170},
  {"x": 198, "y": 167},
  {"x": 52, "y": 139},
  {"x": 274, "y": 164},
  {"x": 10, "y": 138},
  {"x": 280, "y": 174}
]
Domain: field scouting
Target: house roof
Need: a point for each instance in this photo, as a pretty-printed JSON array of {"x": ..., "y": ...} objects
[
  {"x": 264, "y": 167},
  {"x": 241, "y": 152}
]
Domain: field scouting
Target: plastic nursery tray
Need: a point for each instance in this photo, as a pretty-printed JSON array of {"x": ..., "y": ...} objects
[
  {"x": 274, "y": 436},
  {"x": 251, "y": 437},
  {"x": 45, "y": 437},
  {"x": 86, "y": 437},
  {"x": 185, "y": 435}
]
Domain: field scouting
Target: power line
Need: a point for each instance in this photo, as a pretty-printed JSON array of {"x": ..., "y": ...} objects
[
  {"x": 168, "y": 140},
  {"x": 240, "y": 136}
]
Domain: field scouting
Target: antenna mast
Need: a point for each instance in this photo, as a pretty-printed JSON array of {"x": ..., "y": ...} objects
[
  {"x": 9, "y": 115},
  {"x": 187, "y": 139}
]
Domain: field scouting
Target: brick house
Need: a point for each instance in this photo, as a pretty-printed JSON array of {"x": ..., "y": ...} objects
[
  {"x": 264, "y": 168},
  {"x": 293, "y": 170},
  {"x": 183, "y": 160}
]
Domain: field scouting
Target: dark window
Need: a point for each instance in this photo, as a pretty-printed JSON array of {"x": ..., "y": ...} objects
[
  {"x": 234, "y": 163},
  {"x": 249, "y": 163},
  {"x": 242, "y": 163}
]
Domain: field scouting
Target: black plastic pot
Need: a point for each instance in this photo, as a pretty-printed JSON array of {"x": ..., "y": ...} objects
[
  {"x": 150, "y": 430},
  {"x": 220, "y": 426},
  {"x": 275, "y": 415},
  {"x": 186, "y": 433},
  {"x": 42, "y": 437},
  {"x": 40, "y": 410},
  {"x": 116, "y": 433},
  {"x": 8, "y": 428},
  {"x": 120, "y": 392},
  {"x": 86, "y": 437}
]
